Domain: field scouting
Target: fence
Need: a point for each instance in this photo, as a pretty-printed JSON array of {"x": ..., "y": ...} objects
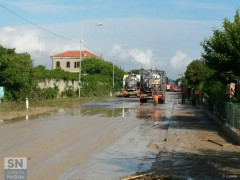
[{"x": 232, "y": 115}]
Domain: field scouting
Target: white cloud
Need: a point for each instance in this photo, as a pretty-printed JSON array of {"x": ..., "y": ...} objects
[
  {"x": 180, "y": 61},
  {"x": 120, "y": 51},
  {"x": 135, "y": 57},
  {"x": 143, "y": 57},
  {"x": 35, "y": 42},
  {"x": 153, "y": 47},
  {"x": 8, "y": 29}
]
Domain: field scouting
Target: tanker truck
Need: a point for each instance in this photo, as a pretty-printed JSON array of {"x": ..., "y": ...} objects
[
  {"x": 148, "y": 79},
  {"x": 131, "y": 85}
]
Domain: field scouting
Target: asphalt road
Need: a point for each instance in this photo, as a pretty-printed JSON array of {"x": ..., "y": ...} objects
[{"x": 109, "y": 140}]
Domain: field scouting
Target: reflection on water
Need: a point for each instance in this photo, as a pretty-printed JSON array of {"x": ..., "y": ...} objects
[
  {"x": 103, "y": 112},
  {"x": 82, "y": 111},
  {"x": 155, "y": 115},
  {"x": 23, "y": 118}
]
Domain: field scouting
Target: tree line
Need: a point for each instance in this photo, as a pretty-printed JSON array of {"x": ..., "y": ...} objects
[
  {"x": 20, "y": 78},
  {"x": 219, "y": 65}
]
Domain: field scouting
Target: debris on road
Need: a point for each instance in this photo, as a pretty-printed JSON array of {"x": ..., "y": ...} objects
[
  {"x": 209, "y": 140},
  {"x": 147, "y": 176},
  {"x": 136, "y": 177}
]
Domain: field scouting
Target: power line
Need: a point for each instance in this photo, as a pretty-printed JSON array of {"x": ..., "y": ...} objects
[
  {"x": 43, "y": 29},
  {"x": 91, "y": 49},
  {"x": 30, "y": 22}
]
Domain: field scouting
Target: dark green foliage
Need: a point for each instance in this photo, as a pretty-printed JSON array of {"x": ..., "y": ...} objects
[
  {"x": 184, "y": 83},
  {"x": 197, "y": 72},
  {"x": 202, "y": 78},
  {"x": 17, "y": 75},
  {"x": 135, "y": 71},
  {"x": 42, "y": 73},
  {"x": 214, "y": 90},
  {"x": 69, "y": 92},
  {"x": 96, "y": 74},
  {"x": 96, "y": 66},
  {"x": 103, "y": 72},
  {"x": 95, "y": 85},
  {"x": 222, "y": 50},
  {"x": 48, "y": 93},
  {"x": 177, "y": 80},
  {"x": 96, "y": 77},
  {"x": 220, "y": 64},
  {"x": 20, "y": 78}
]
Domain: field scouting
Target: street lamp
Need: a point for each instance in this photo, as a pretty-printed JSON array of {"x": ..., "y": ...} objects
[
  {"x": 114, "y": 63},
  {"x": 80, "y": 57}
]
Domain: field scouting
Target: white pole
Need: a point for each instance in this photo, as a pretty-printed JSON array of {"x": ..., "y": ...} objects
[
  {"x": 80, "y": 66},
  {"x": 113, "y": 66},
  {"x": 114, "y": 63},
  {"x": 27, "y": 104}
]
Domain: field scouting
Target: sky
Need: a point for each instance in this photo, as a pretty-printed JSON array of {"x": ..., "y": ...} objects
[{"x": 162, "y": 34}]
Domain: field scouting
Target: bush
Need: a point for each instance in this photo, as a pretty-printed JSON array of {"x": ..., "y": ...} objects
[
  {"x": 69, "y": 92},
  {"x": 96, "y": 77},
  {"x": 93, "y": 85},
  {"x": 42, "y": 73},
  {"x": 103, "y": 69},
  {"x": 49, "y": 93},
  {"x": 17, "y": 75}
]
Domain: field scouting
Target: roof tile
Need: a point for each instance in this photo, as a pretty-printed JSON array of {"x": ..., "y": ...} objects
[{"x": 76, "y": 54}]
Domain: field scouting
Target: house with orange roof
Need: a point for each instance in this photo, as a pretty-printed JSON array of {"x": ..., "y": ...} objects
[{"x": 69, "y": 61}]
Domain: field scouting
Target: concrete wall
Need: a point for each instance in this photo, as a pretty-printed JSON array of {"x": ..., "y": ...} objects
[{"x": 61, "y": 84}]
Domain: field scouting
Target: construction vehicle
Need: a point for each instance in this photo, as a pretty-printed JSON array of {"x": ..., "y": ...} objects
[
  {"x": 131, "y": 85},
  {"x": 148, "y": 80},
  {"x": 170, "y": 86}
]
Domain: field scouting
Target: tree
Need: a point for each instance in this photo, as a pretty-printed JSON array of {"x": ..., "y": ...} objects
[
  {"x": 93, "y": 66},
  {"x": 17, "y": 74},
  {"x": 197, "y": 72},
  {"x": 184, "y": 83},
  {"x": 222, "y": 50},
  {"x": 135, "y": 71}
]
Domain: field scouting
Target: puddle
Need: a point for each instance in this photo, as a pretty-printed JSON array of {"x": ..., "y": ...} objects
[
  {"x": 103, "y": 112},
  {"x": 96, "y": 106},
  {"x": 109, "y": 108},
  {"x": 156, "y": 114},
  {"x": 24, "y": 118}
]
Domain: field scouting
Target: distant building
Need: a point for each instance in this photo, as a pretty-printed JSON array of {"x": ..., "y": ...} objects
[{"x": 69, "y": 61}]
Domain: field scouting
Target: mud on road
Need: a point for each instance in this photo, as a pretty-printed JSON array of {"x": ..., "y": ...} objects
[
  {"x": 193, "y": 148},
  {"x": 120, "y": 138}
]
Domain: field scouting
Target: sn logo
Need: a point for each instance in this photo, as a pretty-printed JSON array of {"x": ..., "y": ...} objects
[{"x": 15, "y": 163}]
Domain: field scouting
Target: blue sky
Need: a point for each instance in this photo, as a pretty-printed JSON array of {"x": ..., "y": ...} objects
[{"x": 164, "y": 34}]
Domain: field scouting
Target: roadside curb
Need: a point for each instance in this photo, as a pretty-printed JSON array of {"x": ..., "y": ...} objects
[{"x": 233, "y": 133}]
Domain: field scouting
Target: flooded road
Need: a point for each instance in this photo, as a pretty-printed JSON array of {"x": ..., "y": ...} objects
[{"x": 113, "y": 139}]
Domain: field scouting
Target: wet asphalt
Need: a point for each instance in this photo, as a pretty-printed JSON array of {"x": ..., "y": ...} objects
[
  {"x": 130, "y": 153},
  {"x": 103, "y": 140},
  {"x": 96, "y": 141}
]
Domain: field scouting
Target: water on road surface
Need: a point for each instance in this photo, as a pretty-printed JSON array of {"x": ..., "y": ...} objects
[{"x": 113, "y": 139}]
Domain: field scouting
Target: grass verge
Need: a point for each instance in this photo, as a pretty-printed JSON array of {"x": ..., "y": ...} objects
[{"x": 11, "y": 110}]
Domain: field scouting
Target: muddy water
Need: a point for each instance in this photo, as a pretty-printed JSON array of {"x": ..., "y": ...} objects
[
  {"x": 104, "y": 140},
  {"x": 133, "y": 151}
]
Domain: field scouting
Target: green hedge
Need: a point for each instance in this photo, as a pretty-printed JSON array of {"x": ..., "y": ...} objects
[{"x": 21, "y": 79}]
